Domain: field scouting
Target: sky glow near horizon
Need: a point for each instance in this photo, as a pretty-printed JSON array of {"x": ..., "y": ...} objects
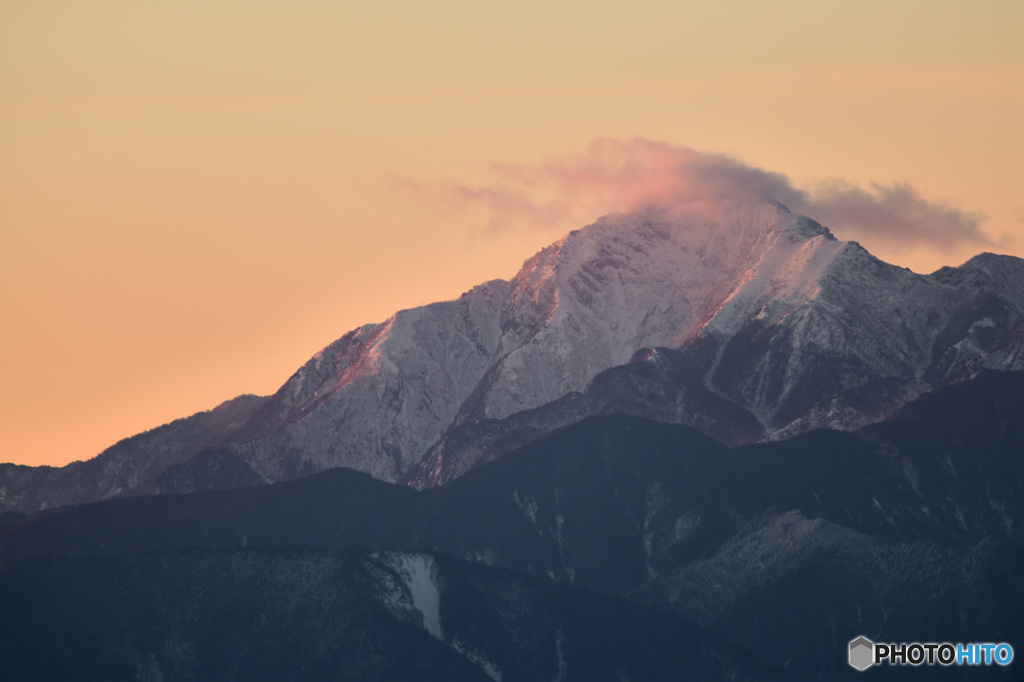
[{"x": 196, "y": 198}]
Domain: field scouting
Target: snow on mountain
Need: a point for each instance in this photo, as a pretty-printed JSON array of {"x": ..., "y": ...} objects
[
  {"x": 783, "y": 322},
  {"x": 372, "y": 398},
  {"x": 786, "y": 315},
  {"x": 779, "y": 318},
  {"x": 591, "y": 300},
  {"x": 380, "y": 396},
  {"x": 866, "y": 321},
  {"x": 411, "y": 588}
]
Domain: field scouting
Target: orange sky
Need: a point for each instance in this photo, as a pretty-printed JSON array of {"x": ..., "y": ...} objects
[{"x": 197, "y": 196}]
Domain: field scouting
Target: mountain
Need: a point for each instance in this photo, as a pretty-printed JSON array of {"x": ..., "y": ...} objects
[
  {"x": 742, "y": 320},
  {"x": 299, "y": 614},
  {"x": 617, "y": 547}
]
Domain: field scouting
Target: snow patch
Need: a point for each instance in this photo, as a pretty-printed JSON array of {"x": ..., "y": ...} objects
[
  {"x": 489, "y": 667},
  {"x": 656, "y": 501},
  {"x": 528, "y": 506},
  {"x": 999, "y": 507},
  {"x": 419, "y": 584},
  {"x": 481, "y": 556},
  {"x": 563, "y": 666}
]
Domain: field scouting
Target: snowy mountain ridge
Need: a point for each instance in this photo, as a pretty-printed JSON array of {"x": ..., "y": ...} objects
[
  {"x": 582, "y": 305},
  {"x": 776, "y": 317}
]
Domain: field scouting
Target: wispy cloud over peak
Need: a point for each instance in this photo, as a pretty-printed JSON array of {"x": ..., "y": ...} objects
[
  {"x": 895, "y": 214},
  {"x": 619, "y": 176}
]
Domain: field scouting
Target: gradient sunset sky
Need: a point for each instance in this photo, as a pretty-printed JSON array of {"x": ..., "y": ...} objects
[{"x": 195, "y": 197}]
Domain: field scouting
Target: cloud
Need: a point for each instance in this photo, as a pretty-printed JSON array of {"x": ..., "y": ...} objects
[
  {"x": 895, "y": 215},
  {"x": 615, "y": 176}
]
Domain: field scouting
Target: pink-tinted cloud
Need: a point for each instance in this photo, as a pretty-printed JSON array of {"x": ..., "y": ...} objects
[
  {"x": 896, "y": 215},
  {"x": 615, "y": 176}
]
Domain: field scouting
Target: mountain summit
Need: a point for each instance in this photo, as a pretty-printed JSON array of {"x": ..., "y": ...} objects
[{"x": 744, "y": 320}]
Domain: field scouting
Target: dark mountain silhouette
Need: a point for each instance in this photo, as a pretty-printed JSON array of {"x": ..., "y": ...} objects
[{"x": 614, "y": 546}]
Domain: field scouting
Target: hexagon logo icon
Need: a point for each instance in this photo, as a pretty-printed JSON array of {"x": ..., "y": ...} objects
[{"x": 862, "y": 653}]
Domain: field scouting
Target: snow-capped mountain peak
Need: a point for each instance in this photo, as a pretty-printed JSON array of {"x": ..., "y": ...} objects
[{"x": 777, "y": 319}]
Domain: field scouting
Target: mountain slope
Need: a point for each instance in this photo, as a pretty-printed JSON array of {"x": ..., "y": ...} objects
[
  {"x": 781, "y": 327},
  {"x": 905, "y": 530},
  {"x": 301, "y": 614},
  {"x": 132, "y": 466}
]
